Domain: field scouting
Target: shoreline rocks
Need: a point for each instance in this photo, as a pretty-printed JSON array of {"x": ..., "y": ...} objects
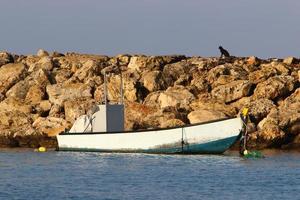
[{"x": 42, "y": 95}]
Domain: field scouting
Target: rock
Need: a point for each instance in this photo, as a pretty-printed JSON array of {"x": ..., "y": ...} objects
[
  {"x": 45, "y": 63},
  {"x": 35, "y": 79},
  {"x": 50, "y": 126},
  {"x": 289, "y": 114},
  {"x": 75, "y": 108},
  {"x": 232, "y": 91},
  {"x": 59, "y": 93},
  {"x": 152, "y": 99},
  {"x": 89, "y": 69},
  {"x": 198, "y": 116},
  {"x": 211, "y": 104},
  {"x": 16, "y": 118},
  {"x": 252, "y": 60},
  {"x": 290, "y": 60},
  {"x": 35, "y": 94},
  {"x": 42, "y": 53},
  {"x": 5, "y": 58},
  {"x": 10, "y": 74},
  {"x": 43, "y": 107},
  {"x": 274, "y": 87},
  {"x": 269, "y": 133},
  {"x": 154, "y": 81},
  {"x": 266, "y": 71},
  {"x": 13, "y": 105},
  {"x": 172, "y": 123},
  {"x": 142, "y": 63},
  {"x": 176, "y": 96},
  {"x": 175, "y": 70},
  {"x": 259, "y": 109}
]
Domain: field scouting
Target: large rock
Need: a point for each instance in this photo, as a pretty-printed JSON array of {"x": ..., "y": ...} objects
[
  {"x": 45, "y": 63},
  {"x": 13, "y": 105},
  {"x": 154, "y": 81},
  {"x": 59, "y": 93},
  {"x": 50, "y": 126},
  {"x": 35, "y": 82},
  {"x": 259, "y": 109},
  {"x": 5, "y": 58},
  {"x": 177, "y": 96},
  {"x": 232, "y": 91},
  {"x": 274, "y": 87},
  {"x": 198, "y": 116},
  {"x": 75, "y": 108},
  {"x": 10, "y": 74},
  {"x": 289, "y": 113},
  {"x": 42, "y": 53},
  {"x": 149, "y": 63}
]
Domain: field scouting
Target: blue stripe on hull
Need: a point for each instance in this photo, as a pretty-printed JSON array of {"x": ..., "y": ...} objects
[{"x": 215, "y": 147}]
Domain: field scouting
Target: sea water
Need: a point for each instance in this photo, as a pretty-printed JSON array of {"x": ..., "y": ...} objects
[{"x": 25, "y": 174}]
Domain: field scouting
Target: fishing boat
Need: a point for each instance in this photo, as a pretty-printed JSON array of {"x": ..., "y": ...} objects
[{"x": 102, "y": 130}]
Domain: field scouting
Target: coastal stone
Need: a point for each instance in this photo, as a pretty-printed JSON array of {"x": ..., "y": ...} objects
[
  {"x": 252, "y": 60},
  {"x": 35, "y": 94},
  {"x": 154, "y": 81},
  {"x": 16, "y": 118},
  {"x": 12, "y": 105},
  {"x": 232, "y": 91},
  {"x": 42, "y": 53},
  {"x": 152, "y": 99},
  {"x": 75, "y": 108},
  {"x": 211, "y": 104},
  {"x": 274, "y": 87},
  {"x": 176, "y": 96},
  {"x": 51, "y": 126},
  {"x": 10, "y": 74},
  {"x": 203, "y": 115},
  {"x": 5, "y": 58},
  {"x": 150, "y": 63},
  {"x": 38, "y": 78},
  {"x": 59, "y": 93},
  {"x": 171, "y": 123},
  {"x": 290, "y": 60},
  {"x": 45, "y": 63}
]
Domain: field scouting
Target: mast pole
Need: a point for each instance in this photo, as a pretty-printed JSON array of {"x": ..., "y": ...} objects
[{"x": 105, "y": 88}]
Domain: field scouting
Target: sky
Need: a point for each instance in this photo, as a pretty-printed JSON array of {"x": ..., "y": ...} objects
[{"x": 264, "y": 28}]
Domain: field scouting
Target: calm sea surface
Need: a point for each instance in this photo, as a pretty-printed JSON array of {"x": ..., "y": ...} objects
[{"x": 70, "y": 175}]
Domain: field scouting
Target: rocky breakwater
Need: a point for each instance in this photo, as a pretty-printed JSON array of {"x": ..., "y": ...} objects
[{"x": 42, "y": 95}]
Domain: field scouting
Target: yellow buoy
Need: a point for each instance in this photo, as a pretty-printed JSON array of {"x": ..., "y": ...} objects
[
  {"x": 42, "y": 149},
  {"x": 245, "y": 111},
  {"x": 245, "y": 152}
]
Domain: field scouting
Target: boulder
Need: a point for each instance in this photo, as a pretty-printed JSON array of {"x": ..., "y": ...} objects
[
  {"x": 259, "y": 109},
  {"x": 211, "y": 104},
  {"x": 171, "y": 123},
  {"x": 153, "y": 81},
  {"x": 152, "y": 99},
  {"x": 150, "y": 63},
  {"x": 42, "y": 53},
  {"x": 274, "y": 87},
  {"x": 252, "y": 60},
  {"x": 175, "y": 70},
  {"x": 75, "y": 108},
  {"x": 204, "y": 115},
  {"x": 35, "y": 94},
  {"x": 50, "y": 126},
  {"x": 13, "y": 105},
  {"x": 177, "y": 96},
  {"x": 232, "y": 91},
  {"x": 289, "y": 113},
  {"x": 59, "y": 93},
  {"x": 10, "y": 74},
  {"x": 266, "y": 71},
  {"x": 290, "y": 60},
  {"x": 36, "y": 81},
  {"x": 45, "y": 63},
  {"x": 5, "y": 58}
]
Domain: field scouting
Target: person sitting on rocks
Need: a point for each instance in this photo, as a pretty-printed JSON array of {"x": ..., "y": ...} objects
[{"x": 224, "y": 52}]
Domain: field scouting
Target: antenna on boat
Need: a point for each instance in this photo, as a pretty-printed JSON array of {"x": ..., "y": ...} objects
[
  {"x": 121, "y": 88},
  {"x": 105, "y": 87}
]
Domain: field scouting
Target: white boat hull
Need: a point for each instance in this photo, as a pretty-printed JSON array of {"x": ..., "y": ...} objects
[{"x": 214, "y": 137}]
